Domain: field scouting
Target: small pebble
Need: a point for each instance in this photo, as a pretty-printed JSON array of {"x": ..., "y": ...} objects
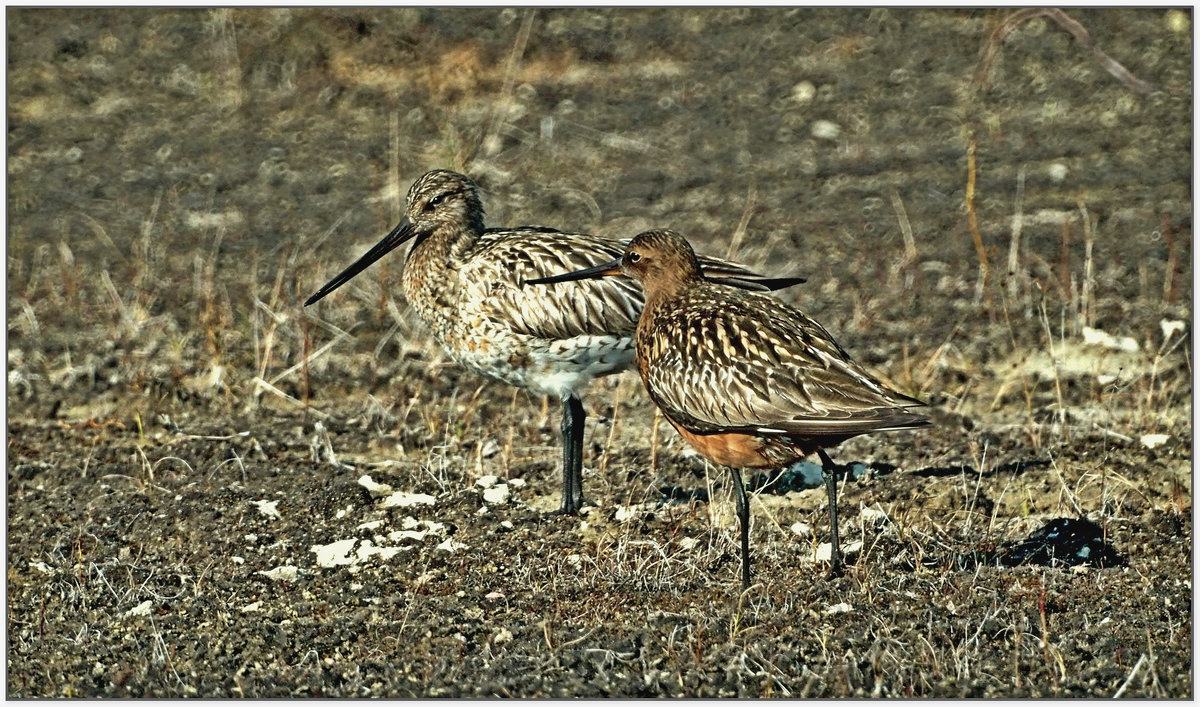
[
  {"x": 825, "y": 130},
  {"x": 1057, "y": 172},
  {"x": 804, "y": 92},
  {"x": 496, "y": 495}
]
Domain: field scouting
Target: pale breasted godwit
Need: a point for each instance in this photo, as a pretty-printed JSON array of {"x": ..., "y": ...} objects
[
  {"x": 465, "y": 282},
  {"x": 749, "y": 381}
]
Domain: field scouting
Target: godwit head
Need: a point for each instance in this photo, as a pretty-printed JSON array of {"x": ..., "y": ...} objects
[{"x": 441, "y": 203}]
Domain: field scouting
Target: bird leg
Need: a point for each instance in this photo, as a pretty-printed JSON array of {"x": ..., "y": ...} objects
[
  {"x": 829, "y": 471},
  {"x": 743, "y": 511},
  {"x": 572, "y": 432}
]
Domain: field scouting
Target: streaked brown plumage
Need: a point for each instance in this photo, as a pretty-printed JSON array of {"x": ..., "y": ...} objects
[
  {"x": 465, "y": 282},
  {"x": 749, "y": 381}
]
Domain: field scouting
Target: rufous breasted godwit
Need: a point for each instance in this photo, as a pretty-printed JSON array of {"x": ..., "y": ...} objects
[
  {"x": 749, "y": 381},
  {"x": 465, "y": 282}
]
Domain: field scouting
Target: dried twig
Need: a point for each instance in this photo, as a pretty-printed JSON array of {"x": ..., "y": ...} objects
[
  {"x": 1081, "y": 35},
  {"x": 906, "y": 230},
  {"x": 973, "y": 223},
  {"x": 1014, "y": 248}
]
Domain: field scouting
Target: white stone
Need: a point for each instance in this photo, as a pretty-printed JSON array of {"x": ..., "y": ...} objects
[
  {"x": 625, "y": 513},
  {"x": 368, "y": 549},
  {"x": 451, "y": 545},
  {"x": 1103, "y": 338},
  {"x": 1170, "y": 326},
  {"x": 873, "y": 516},
  {"x": 142, "y": 609},
  {"x": 284, "y": 573},
  {"x": 804, "y": 530},
  {"x": 335, "y": 553},
  {"x": 1154, "y": 440},
  {"x": 841, "y": 608},
  {"x": 825, "y": 550},
  {"x": 804, "y": 92},
  {"x": 403, "y": 499},
  {"x": 1057, "y": 172},
  {"x": 268, "y": 508},
  {"x": 376, "y": 490},
  {"x": 486, "y": 482},
  {"x": 825, "y": 130},
  {"x": 496, "y": 495},
  {"x": 417, "y": 535}
]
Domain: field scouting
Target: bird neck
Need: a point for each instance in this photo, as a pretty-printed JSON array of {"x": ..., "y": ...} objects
[
  {"x": 446, "y": 246},
  {"x": 666, "y": 287}
]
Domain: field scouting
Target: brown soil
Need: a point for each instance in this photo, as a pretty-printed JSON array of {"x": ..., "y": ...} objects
[{"x": 179, "y": 477}]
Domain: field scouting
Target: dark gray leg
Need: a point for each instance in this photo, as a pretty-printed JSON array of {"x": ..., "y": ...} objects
[
  {"x": 743, "y": 511},
  {"x": 828, "y": 470},
  {"x": 572, "y": 432}
]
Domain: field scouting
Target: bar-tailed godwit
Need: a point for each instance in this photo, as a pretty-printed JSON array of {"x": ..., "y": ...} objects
[
  {"x": 465, "y": 282},
  {"x": 749, "y": 381}
]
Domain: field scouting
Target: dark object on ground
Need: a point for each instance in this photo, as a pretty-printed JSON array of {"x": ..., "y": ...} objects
[{"x": 1063, "y": 541}]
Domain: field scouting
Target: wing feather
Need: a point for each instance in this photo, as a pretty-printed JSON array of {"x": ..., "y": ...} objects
[
  {"x": 503, "y": 259},
  {"x": 745, "y": 362}
]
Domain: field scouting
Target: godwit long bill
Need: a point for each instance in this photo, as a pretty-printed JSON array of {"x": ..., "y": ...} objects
[
  {"x": 465, "y": 282},
  {"x": 749, "y": 381}
]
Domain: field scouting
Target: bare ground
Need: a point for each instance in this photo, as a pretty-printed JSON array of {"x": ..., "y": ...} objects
[{"x": 187, "y": 513}]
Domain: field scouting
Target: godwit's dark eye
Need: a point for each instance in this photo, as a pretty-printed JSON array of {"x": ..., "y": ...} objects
[
  {"x": 635, "y": 257},
  {"x": 432, "y": 203}
]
